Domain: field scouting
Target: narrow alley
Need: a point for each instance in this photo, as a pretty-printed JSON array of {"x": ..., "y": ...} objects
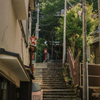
[{"x": 49, "y": 49}]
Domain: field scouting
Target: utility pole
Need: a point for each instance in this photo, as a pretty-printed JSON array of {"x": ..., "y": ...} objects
[
  {"x": 52, "y": 47},
  {"x": 99, "y": 24},
  {"x": 64, "y": 35},
  {"x": 37, "y": 24},
  {"x": 85, "y": 67}
]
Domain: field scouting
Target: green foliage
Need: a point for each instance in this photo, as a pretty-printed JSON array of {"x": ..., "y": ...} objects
[
  {"x": 52, "y": 25},
  {"x": 49, "y": 19},
  {"x": 40, "y": 50},
  {"x": 66, "y": 75},
  {"x": 68, "y": 80},
  {"x": 52, "y": 6},
  {"x": 95, "y": 4},
  {"x": 92, "y": 57},
  {"x": 91, "y": 22},
  {"x": 64, "y": 70},
  {"x": 74, "y": 27}
]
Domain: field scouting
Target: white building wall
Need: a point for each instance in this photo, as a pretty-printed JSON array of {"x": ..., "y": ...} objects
[{"x": 11, "y": 36}]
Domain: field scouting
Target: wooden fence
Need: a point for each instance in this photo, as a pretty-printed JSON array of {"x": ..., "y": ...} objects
[{"x": 93, "y": 75}]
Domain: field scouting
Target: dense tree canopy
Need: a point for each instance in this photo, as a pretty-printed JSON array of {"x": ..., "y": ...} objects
[
  {"x": 52, "y": 25},
  {"x": 95, "y": 4},
  {"x": 74, "y": 28},
  {"x": 50, "y": 20}
]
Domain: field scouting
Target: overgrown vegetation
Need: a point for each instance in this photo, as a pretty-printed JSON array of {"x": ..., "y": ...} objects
[
  {"x": 74, "y": 29},
  {"x": 66, "y": 75}
]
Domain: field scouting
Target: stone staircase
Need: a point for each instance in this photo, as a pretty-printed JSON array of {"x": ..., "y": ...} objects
[{"x": 49, "y": 76}]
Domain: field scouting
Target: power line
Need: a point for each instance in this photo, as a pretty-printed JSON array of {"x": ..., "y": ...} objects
[
  {"x": 47, "y": 15},
  {"x": 79, "y": 12},
  {"x": 46, "y": 31},
  {"x": 72, "y": 5},
  {"x": 57, "y": 19},
  {"x": 74, "y": 1},
  {"x": 53, "y": 13},
  {"x": 48, "y": 24}
]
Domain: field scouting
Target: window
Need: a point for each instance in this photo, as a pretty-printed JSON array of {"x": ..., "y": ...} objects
[
  {"x": 8, "y": 90},
  {"x": 3, "y": 89}
]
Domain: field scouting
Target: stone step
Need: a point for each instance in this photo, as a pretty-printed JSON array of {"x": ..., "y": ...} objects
[
  {"x": 48, "y": 71},
  {"x": 54, "y": 65},
  {"x": 59, "y": 93},
  {"x": 59, "y": 96},
  {"x": 42, "y": 82},
  {"x": 52, "y": 83},
  {"x": 53, "y": 87},
  {"x": 58, "y": 90},
  {"x": 36, "y": 78},
  {"x": 52, "y": 70},
  {"x": 48, "y": 83},
  {"x": 49, "y": 68},
  {"x": 72, "y": 98},
  {"x": 50, "y": 79},
  {"x": 49, "y": 76}
]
